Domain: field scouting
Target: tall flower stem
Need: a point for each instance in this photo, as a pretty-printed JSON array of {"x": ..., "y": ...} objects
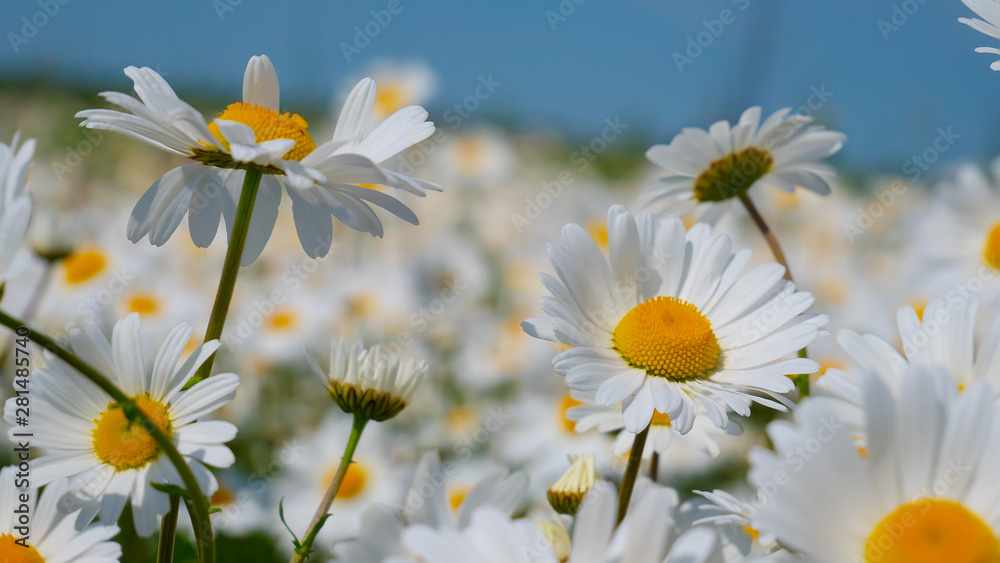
[
  {"x": 631, "y": 472},
  {"x": 801, "y": 381},
  {"x": 199, "y": 502},
  {"x": 305, "y": 547},
  {"x": 231, "y": 267},
  {"x": 168, "y": 529}
]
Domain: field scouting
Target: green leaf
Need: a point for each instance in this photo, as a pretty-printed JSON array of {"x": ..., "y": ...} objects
[{"x": 171, "y": 490}]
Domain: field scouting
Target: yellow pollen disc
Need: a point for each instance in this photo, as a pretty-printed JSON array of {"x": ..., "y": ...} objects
[
  {"x": 83, "y": 265},
  {"x": 668, "y": 337},
  {"x": 143, "y": 303},
  {"x": 752, "y": 532},
  {"x": 456, "y": 497},
  {"x": 11, "y": 552},
  {"x": 125, "y": 445},
  {"x": 353, "y": 483},
  {"x": 222, "y": 497},
  {"x": 598, "y": 230},
  {"x": 659, "y": 419},
  {"x": 565, "y": 404},
  {"x": 991, "y": 253},
  {"x": 283, "y": 319},
  {"x": 918, "y": 307},
  {"x": 932, "y": 531},
  {"x": 389, "y": 99},
  {"x": 470, "y": 155},
  {"x": 732, "y": 175},
  {"x": 268, "y": 125}
]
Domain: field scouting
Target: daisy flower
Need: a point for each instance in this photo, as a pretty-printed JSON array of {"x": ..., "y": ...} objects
[
  {"x": 321, "y": 180},
  {"x": 53, "y": 536},
  {"x": 989, "y": 10},
  {"x": 925, "y": 488},
  {"x": 706, "y": 168},
  {"x": 672, "y": 324},
  {"x": 86, "y": 437},
  {"x": 368, "y": 382},
  {"x": 734, "y": 520},
  {"x": 403, "y": 83},
  {"x": 652, "y": 531},
  {"x": 15, "y": 204},
  {"x": 428, "y": 503},
  {"x": 943, "y": 337},
  {"x": 957, "y": 242}
]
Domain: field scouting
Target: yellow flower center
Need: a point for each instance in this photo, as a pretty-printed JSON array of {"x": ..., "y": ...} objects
[
  {"x": 668, "y": 337},
  {"x": 470, "y": 155},
  {"x": 123, "y": 444},
  {"x": 752, "y": 532},
  {"x": 222, "y": 497},
  {"x": 83, "y": 265},
  {"x": 932, "y": 531},
  {"x": 991, "y": 253},
  {"x": 389, "y": 98},
  {"x": 565, "y": 404},
  {"x": 143, "y": 303},
  {"x": 353, "y": 483},
  {"x": 456, "y": 497},
  {"x": 732, "y": 175},
  {"x": 598, "y": 230},
  {"x": 268, "y": 125},
  {"x": 283, "y": 320},
  {"x": 11, "y": 552},
  {"x": 659, "y": 419}
]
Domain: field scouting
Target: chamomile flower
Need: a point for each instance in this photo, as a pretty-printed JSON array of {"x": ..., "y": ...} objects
[
  {"x": 989, "y": 10},
  {"x": 707, "y": 169},
  {"x": 672, "y": 324},
  {"x": 86, "y": 437},
  {"x": 734, "y": 520},
  {"x": 52, "y": 537},
  {"x": 923, "y": 490},
  {"x": 321, "y": 180},
  {"x": 369, "y": 382},
  {"x": 943, "y": 337},
  {"x": 402, "y": 84},
  {"x": 15, "y": 204}
]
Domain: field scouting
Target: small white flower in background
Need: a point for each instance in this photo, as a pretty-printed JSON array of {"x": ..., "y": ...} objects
[
  {"x": 320, "y": 180},
  {"x": 86, "y": 437},
  {"x": 401, "y": 84},
  {"x": 673, "y": 324},
  {"x": 52, "y": 537},
  {"x": 924, "y": 488},
  {"x": 989, "y": 10},
  {"x": 15, "y": 204},
  {"x": 369, "y": 382},
  {"x": 427, "y": 503},
  {"x": 706, "y": 170},
  {"x": 733, "y": 518}
]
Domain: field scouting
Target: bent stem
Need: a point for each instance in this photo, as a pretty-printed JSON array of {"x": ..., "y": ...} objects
[
  {"x": 631, "y": 472},
  {"x": 231, "y": 267},
  {"x": 303, "y": 550},
  {"x": 802, "y": 380},
  {"x": 200, "y": 503}
]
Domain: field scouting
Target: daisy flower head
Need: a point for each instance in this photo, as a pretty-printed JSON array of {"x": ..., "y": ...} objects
[
  {"x": 86, "y": 437},
  {"x": 53, "y": 537},
  {"x": 321, "y": 179},
  {"x": 989, "y": 10},
  {"x": 15, "y": 204},
  {"x": 672, "y": 324},
  {"x": 943, "y": 336},
  {"x": 924, "y": 489},
  {"x": 707, "y": 169},
  {"x": 368, "y": 382}
]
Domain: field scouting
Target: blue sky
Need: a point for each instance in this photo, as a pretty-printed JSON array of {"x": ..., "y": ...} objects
[{"x": 892, "y": 89}]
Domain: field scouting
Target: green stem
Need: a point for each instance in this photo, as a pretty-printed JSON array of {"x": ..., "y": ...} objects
[
  {"x": 801, "y": 380},
  {"x": 168, "y": 529},
  {"x": 654, "y": 467},
  {"x": 200, "y": 514},
  {"x": 303, "y": 550},
  {"x": 631, "y": 472},
  {"x": 231, "y": 267}
]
